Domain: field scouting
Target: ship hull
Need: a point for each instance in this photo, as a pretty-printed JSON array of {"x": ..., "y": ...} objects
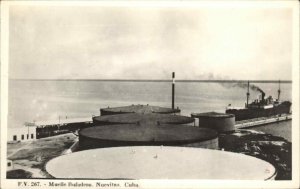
[{"x": 250, "y": 113}]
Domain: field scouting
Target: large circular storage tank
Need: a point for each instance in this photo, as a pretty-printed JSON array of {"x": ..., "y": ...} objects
[
  {"x": 147, "y": 134},
  {"x": 133, "y": 118},
  {"x": 219, "y": 121},
  {"x": 154, "y": 162},
  {"x": 138, "y": 109}
]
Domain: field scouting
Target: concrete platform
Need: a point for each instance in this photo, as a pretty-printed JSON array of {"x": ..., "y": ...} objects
[{"x": 159, "y": 163}]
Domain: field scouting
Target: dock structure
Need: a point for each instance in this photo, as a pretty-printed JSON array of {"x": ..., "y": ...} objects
[
  {"x": 55, "y": 127},
  {"x": 262, "y": 121},
  {"x": 41, "y": 129},
  {"x": 61, "y": 122}
]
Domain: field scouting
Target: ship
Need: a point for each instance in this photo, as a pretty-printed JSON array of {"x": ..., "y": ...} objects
[{"x": 261, "y": 107}]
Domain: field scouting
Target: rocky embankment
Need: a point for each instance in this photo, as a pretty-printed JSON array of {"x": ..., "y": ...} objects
[{"x": 273, "y": 149}]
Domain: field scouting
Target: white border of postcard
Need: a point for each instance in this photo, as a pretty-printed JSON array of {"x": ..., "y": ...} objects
[{"x": 294, "y": 183}]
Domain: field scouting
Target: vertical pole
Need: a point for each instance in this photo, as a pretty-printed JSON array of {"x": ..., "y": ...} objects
[
  {"x": 248, "y": 94},
  {"x": 279, "y": 91},
  {"x": 173, "y": 90},
  {"x": 58, "y": 122}
]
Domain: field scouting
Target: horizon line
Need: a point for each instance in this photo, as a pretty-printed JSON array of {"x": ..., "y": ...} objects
[{"x": 162, "y": 80}]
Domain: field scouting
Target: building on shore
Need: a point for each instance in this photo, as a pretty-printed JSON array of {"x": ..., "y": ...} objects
[{"x": 21, "y": 134}]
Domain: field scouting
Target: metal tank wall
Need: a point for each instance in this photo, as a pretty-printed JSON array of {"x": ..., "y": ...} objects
[
  {"x": 138, "y": 109},
  {"x": 130, "y": 135},
  {"x": 221, "y": 124},
  {"x": 86, "y": 143},
  {"x": 209, "y": 144},
  {"x": 131, "y": 118}
]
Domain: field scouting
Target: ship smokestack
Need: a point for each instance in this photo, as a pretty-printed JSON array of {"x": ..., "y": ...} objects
[
  {"x": 279, "y": 91},
  {"x": 173, "y": 90},
  {"x": 248, "y": 94}
]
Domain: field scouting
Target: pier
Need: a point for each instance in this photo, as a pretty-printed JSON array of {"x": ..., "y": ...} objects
[
  {"x": 262, "y": 121},
  {"x": 47, "y": 128},
  {"x": 61, "y": 122}
]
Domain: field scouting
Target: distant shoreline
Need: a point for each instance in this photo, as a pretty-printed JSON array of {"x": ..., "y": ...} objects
[{"x": 161, "y": 80}]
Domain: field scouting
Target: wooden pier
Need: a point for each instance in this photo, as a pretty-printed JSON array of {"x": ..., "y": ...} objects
[
  {"x": 61, "y": 126},
  {"x": 262, "y": 121},
  {"x": 61, "y": 122}
]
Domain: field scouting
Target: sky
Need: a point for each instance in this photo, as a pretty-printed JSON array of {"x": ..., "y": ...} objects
[{"x": 64, "y": 42}]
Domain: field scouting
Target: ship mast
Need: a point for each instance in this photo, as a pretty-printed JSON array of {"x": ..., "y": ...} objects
[
  {"x": 278, "y": 91},
  {"x": 173, "y": 90},
  {"x": 248, "y": 94}
]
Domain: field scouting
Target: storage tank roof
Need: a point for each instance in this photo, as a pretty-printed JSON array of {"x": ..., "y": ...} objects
[
  {"x": 149, "y": 162},
  {"x": 143, "y": 118},
  {"x": 149, "y": 133},
  {"x": 212, "y": 114},
  {"x": 141, "y": 109}
]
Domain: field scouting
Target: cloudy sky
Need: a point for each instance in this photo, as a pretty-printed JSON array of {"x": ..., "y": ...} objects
[{"x": 149, "y": 43}]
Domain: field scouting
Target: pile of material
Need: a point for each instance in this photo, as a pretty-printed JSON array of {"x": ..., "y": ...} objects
[{"x": 273, "y": 149}]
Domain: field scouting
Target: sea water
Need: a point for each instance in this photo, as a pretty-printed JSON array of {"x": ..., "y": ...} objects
[{"x": 36, "y": 100}]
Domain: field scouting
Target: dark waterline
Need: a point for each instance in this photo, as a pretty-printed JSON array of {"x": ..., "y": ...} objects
[{"x": 161, "y": 80}]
